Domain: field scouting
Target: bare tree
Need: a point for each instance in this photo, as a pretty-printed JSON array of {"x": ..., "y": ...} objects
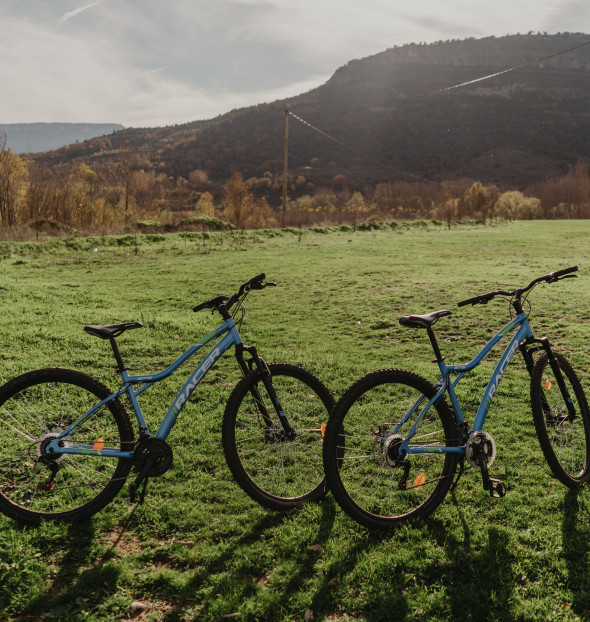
[{"x": 13, "y": 184}]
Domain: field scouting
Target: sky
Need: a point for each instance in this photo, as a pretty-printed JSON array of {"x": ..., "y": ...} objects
[{"x": 151, "y": 63}]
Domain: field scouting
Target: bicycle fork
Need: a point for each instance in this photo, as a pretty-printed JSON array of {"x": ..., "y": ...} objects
[
  {"x": 265, "y": 375},
  {"x": 546, "y": 346}
]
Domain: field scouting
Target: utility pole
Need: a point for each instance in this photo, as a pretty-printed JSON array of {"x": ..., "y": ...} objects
[{"x": 285, "y": 168}]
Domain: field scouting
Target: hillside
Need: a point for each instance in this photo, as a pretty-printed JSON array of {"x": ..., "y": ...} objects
[
  {"x": 514, "y": 129},
  {"x": 33, "y": 137}
]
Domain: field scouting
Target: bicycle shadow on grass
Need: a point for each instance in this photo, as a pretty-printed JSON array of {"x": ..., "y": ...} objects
[
  {"x": 477, "y": 583},
  {"x": 71, "y": 591},
  {"x": 477, "y": 579},
  {"x": 235, "y": 580},
  {"x": 576, "y": 550}
]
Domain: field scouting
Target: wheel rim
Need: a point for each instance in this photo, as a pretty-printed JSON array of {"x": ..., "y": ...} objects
[
  {"x": 29, "y": 420},
  {"x": 280, "y": 466},
  {"x": 568, "y": 439},
  {"x": 375, "y": 477}
]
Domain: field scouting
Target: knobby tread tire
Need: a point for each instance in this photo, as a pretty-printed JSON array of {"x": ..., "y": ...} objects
[
  {"x": 572, "y": 466},
  {"x": 337, "y": 441},
  {"x": 278, "y": 474},
  {"x": 24, "y": 388}
]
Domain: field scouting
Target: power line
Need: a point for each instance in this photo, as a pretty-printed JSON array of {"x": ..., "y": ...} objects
[
  {"x": 362, "y": 154},
  {"x": 442, "y": 90},
  {"x": 499, "y": 73}
]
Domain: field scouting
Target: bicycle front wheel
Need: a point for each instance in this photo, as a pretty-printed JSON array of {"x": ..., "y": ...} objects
[
  {"x": 277, "y": 469},
  {"x": 564, "y": 438},
  {"x": 371, "y": 481},
  {"x": 34, "y": 409}
]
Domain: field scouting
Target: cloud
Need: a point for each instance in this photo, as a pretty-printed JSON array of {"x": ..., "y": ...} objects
[
  {"x": 75, "y": 12},
  {"x": 155, "y": 63},
  {"x": 569, "y": 16}
]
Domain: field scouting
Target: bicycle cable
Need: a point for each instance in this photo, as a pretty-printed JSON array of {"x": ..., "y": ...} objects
[{"x": 239, "y": 307}]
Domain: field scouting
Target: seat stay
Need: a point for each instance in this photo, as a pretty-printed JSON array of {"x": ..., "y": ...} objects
[
  {"x": 419, "y": 418},
  {"x": 55, "y": 447}
]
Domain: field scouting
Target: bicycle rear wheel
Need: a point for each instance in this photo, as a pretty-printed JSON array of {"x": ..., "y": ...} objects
[
  {"x": 34, "y": 409},
  {"x": 565, "y": 440},
  {"x": 277, "y": 471},
  {"x": 370, "y": 481}
]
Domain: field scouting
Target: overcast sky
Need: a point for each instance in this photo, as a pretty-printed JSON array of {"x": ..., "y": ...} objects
[{"x": 148, "y": 63}]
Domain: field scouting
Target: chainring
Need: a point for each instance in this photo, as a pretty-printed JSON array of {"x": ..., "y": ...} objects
[
  {"x": 155, "y": 449},
  {"x": 489, "y": 449}
]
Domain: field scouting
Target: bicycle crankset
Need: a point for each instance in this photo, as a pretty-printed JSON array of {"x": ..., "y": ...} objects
[
  {"x": 480, "y": 451},
  {"x": 154, "y": 451},
  {"x": 478, "y": 444}
]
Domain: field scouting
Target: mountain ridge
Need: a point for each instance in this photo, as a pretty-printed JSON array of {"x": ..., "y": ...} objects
[
  {"x": 393, "y": 116},
  {"x": 40, "y": 136}
]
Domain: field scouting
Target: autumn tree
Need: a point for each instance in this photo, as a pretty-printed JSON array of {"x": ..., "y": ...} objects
[
  {"x": 129, "y": 164},
  {"x": 205, "y": 205},
  {"x": 355, "y": 207},
  {"x": 239, "y": 205},
  {"x": 447, "y": 210},
  {"x": 13, "y": 185}
]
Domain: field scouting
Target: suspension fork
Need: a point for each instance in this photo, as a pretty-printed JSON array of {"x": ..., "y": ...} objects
[
  {"x": 546, "y": 346},
  {"x": 266, "y": 378}
]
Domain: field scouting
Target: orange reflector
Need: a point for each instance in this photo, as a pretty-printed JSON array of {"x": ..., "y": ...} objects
[
  {"x": 420, "y": 480},
  {"x": 547, "y": 384},
  {"x": 98, "y": 444},
  {"x": 323, "y": 429}
]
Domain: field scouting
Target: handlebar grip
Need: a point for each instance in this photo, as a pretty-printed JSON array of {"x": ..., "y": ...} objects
[
  {"x": 481, "y": 299},
  {"x": 469, "y": 301},
  {"x": 213, "y": 303},
  {"x": 254, "y": 283},
  {"x": 559, "y": 273}
]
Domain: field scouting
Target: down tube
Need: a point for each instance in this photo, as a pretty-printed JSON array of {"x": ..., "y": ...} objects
[
  {"x": 523, "y": 332},
  {"x": 231, "y": 339}
]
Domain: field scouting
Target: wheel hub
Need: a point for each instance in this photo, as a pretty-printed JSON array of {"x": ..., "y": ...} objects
[
  {"x": 43, "y": 442},
  {"x": 391, "y": 447}
]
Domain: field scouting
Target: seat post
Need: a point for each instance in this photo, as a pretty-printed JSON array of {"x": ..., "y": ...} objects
[
  {"x": 439, "y": 357},
  {"x": 120, "y": 365}
]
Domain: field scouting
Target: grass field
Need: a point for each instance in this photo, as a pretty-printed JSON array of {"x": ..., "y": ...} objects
[{"x": 199, "y": 548}]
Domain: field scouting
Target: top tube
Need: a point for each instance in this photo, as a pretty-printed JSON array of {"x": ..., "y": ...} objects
[
  {"x": 517, "y": 321},
  {"x": 227, "y": 326}
]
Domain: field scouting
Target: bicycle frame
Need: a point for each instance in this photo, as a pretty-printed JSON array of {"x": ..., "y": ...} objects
[
  {"x": 447, "y": 385},
  {"x": 231, "y": 338}
]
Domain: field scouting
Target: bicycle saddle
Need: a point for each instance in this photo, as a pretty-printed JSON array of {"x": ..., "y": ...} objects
[
  {"x": 111, "y": 330},
  {"x": 423, "y": 321}
]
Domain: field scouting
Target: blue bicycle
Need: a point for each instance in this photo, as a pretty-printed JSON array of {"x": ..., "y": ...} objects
[
  {"x": 393, "y": 442},
  {"x": 67, "y": 445}
]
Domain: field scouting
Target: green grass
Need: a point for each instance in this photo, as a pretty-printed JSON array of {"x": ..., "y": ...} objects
[{"x": 198, "y": 548}]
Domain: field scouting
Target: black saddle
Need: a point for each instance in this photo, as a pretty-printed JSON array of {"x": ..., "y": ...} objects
[
  {"x": 111, "y": 330},
  {"x": 423, "y": 321}
]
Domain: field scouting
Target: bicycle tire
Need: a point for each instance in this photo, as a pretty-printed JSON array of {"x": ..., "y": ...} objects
[
  {"x": 34, "y": 408},
  {"x": 359, "y": 469},
  {"x": 275, "y": 471},
  {"x": 565, "y": 443}
]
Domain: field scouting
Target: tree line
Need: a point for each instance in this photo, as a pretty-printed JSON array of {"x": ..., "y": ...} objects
[{"x": 127, "y": 190}]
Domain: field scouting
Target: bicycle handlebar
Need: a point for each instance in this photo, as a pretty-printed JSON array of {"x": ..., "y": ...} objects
[
  {"x": 552, "y": 277},
  {"x": 256, "y": 282}
]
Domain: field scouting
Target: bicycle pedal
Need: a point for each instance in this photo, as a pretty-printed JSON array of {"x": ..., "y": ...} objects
[{"x": 497, "y": 488}]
